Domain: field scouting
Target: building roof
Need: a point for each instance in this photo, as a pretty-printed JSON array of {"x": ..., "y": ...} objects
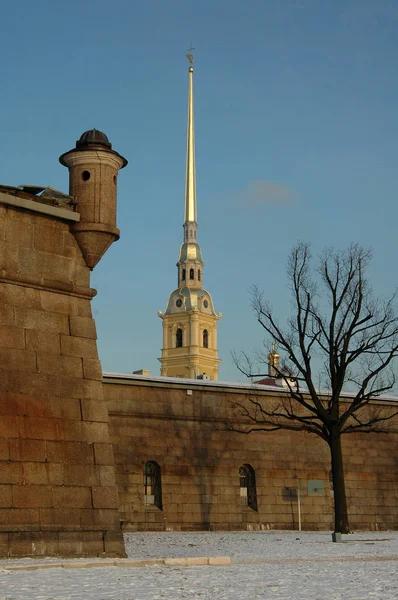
[
  {"x": 186, "y": 299},
  {"x": 268, "y": 381}
]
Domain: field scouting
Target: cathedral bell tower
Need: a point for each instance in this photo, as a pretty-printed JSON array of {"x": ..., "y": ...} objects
[{"x": 189, "y": 321}]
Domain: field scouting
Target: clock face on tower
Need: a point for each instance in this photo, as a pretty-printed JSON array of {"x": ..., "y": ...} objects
[{"x": 178, "y": 303}]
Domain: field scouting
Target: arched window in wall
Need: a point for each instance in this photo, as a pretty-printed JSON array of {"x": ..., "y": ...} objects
[
  {"x": 191, "y": 274},
  {"x": 248, "y": 494},
  {"x": 179, "y": 338},
  {"x": 198, "y": 274},
  {"x": 152, "y": 484},
  {"x": 183, "y": 274},
  {"x": 205, "y": 338}
]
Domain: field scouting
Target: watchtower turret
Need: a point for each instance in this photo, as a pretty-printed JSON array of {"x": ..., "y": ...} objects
[{"x": 93, "y": 170}]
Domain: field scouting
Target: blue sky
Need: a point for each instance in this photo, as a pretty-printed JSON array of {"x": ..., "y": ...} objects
[{"x": 296, "y": 139}]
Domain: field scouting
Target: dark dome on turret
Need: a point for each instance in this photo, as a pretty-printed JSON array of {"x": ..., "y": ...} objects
[{"x": 93, "y": 137}]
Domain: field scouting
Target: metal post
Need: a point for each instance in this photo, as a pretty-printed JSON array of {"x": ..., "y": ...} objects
[{"x": 299, "y": 505}]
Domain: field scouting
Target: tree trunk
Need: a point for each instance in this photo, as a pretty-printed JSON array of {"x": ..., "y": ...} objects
[{"x": 340, "y": 501}]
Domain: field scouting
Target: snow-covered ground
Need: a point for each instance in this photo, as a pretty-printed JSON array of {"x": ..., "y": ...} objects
[{"x": 277, "y": 565}]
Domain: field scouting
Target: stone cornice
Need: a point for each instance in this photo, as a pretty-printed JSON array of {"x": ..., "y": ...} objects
[
  {"x": 40, "y": 207},
  {"x": 47, "y": 285}
]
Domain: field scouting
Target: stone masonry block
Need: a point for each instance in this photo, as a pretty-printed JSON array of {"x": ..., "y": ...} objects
[
  {"x": 72, "y": 497},
  {"x": 79, "y": 346},
  {"x": 5, "y": 496},
  {"x": 19, "y": 519},
  {"x": 55, "y": 473},
  {"x": 14, "y": 359},
  {"x": 30, "y": 263},
  {"x": 60, "y": 303},
  {"x": 10, "y": 426},
  {"x": 41, "y": 321},
  {"x": 52, "y": 518},
  {"x": 70, "y": 452},
  {"x": 92, "y": 543},
  {"x": 107, "y": 476},
  {"x": 105, "y": 497},
  {"x": 12, "y": 337},
  {"x": 103, "y": 454},
  {"x": 76, "y": 474},
  {"x": 69, "y": 366},
  {"x": 45, "y": 429},
  {"x": 58, "y": 268},
  {"x": 70, "y": 543},
  {"x": 93, "y": 432},
  {"x": 43, "y": 341},
  {"x": 35, "y": 473},
  {"x": 8, "y": 258},
  {"x": 197, "y": 560},
  {"x": 3, "y": 381},
  {"x": 6, "y": 314},
  {"x": 80, "y": 388},
  {"x": 82, "y": 327},
  {"x": 219, "y": 561},
  {"x": 4, "y": 544},
  {"x": 47, "y": 239},
  {"x": 65, "y": 408},
  {"x": 33, "y": 544},
  {"x": 34, "y": 406},
  {"x": 114, "y": 543},
  {"x": 100, "y": 519},
  {"x": 56, "y": 518},
  {"x": 92, "y": 368},
  {"x": 82, "y": 275},
  {"x": 11, "y": 472},
  {"x": 3, "y": 218},
  {"x": 17, "y": 295},
  {"x": 4, "y": 450},
  {"x": 31, "y": 496},
  {"x": 19, "y": 232},
  {"x": 94, "y": 410},
  {"x": 175, "y": 562},
  {"x": 25, "y": 449}
]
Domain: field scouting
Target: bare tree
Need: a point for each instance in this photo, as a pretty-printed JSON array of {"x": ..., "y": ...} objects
[{"x": 339, "y": 332}]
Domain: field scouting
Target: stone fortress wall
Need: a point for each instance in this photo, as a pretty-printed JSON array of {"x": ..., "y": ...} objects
[
  {"x": 179, "y": 425},
  {"x": 57, "y": 478}
]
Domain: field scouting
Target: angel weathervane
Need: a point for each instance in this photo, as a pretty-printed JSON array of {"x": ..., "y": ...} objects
[{"x": 190, "y": 55}]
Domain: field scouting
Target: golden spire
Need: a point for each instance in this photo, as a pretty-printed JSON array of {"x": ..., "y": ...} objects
[{"x": 190, "y": 182}]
